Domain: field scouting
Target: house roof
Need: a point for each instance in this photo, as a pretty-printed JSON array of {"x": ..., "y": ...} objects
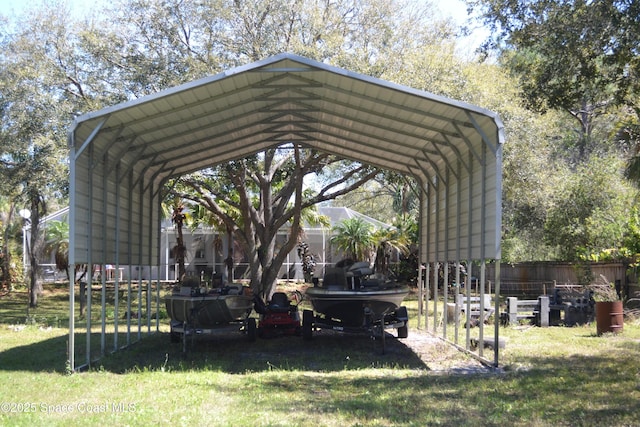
[
  {"x": 337, "y": 214},
  {"x": 121, "y": 156}
]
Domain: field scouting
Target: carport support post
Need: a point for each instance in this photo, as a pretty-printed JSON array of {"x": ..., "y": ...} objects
[
  {"x": 496, "y": 322},
  {"x": 468, "y": 305},
  {"x": 436, "y": 270},
  {"x": 103, "y": 304},
  {"x": 483, "y": 272},
  {"x": 456, "y": 298},
  {"x": 445, "y": 298},
  {"x": 427, "y": 289},
  {"x": 420, "y": 293},
  {"x": 88, "y": 313},
  {"x": 71, "y": 346},
  {"x": 427, "y": 282}
]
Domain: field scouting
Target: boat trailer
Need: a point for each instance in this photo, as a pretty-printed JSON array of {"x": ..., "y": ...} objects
[
  {"x": 375, "y": 326},
  {"x": 181, "y": 330}
]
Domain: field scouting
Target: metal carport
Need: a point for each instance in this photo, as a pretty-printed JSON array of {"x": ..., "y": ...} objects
[{"x": 121, "y": 156}]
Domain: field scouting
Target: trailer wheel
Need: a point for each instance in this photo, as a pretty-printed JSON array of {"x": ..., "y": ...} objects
[
  {"x": 383, "y": 336},
  {"x": 403, "y": 331},
  {"x": 307, "y": 325},
  {"x": 175, "y": 337},
  {"x": 251, "y": 329}
]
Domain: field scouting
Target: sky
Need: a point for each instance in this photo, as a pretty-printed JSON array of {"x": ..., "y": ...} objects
[
  {"x": 453, "y": 8},
  {"x": 7, "y": 7},
  {"x": 449, "y": 8},
  {"x": 457, "y": 10}
]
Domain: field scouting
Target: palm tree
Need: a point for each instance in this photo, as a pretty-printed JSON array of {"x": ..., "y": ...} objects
[
  {"x": 173, "y": 207},
  {"x": 354, "y": 237},
  {"x": 203, "y": 216},
  {"x": 57, "y": 243},
  {"x": 198, "y": 215},
  {"x": 312, "y": 217},
  {"x": 385, "y": 241},
  {"x": 180, "y": 250}
]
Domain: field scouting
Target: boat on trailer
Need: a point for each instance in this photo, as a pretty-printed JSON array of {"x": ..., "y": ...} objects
[
  {"x": 195, "y": 311},
  {"x": 355, "y": 300}
]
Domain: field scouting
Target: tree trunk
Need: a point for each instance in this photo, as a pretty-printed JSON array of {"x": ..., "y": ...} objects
[
  {"x": 6, "y": 258},
  {"x": 35, "y": 287},
  {"x": 180, "y": 249},
  {"x": 180, "y": 254},
  {"x": 229, "y": 259},
  {"x": 254, "y": 217}
]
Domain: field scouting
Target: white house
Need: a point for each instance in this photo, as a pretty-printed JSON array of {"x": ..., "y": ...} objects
[{"x": 207, "y": 250}]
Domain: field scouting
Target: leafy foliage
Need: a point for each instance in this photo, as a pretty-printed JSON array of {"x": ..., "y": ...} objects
[
  {"x": 568, "y": 51},
  {"x": 307, "y": 260},
  {"x": 256, "y": 197},
  {"x": 353, "y": 237},
  {"x": 576, "y": 61},
  {"x": 578, "y": 58},
  {"x": 57, "y": 243},
  {"x": 583, "y": 222}
]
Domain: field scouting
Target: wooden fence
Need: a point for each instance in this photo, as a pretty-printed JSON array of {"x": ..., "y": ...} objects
[{"x": 529, "y": 280}]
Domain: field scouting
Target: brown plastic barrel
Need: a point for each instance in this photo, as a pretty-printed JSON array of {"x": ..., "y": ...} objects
[{"x": 609, "y": 317}]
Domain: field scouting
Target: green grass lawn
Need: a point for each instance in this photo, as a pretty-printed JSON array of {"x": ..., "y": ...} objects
[{"x": 551, "y": 376}]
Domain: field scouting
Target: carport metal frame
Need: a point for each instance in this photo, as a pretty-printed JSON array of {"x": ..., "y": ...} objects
[{"x": 121, "y": 157}]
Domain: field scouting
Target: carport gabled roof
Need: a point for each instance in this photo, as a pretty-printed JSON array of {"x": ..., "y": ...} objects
[{"x": 122, "y": 155}]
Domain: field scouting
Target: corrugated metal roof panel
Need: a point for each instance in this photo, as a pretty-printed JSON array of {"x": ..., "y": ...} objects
[{"x": 122, "y": 154}]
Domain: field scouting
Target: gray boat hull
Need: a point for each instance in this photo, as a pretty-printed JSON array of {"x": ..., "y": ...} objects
[
  {"x": 210, "y": 310},
  {"x": 351, "y": 307}
]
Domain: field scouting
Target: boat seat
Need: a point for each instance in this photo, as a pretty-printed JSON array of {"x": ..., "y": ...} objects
[
  {"x": 232, "y": 290},
  {"x": 279, "y": 302},
  {"x": 334, "y": 278},
  {"x": 371, "y": 283},
  {"x": 360, "y": 269}
]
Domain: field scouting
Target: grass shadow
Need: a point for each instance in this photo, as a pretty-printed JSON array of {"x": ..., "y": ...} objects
[
  {"x": 48, "y": 355},
  {"x": 234, "y": 354},
  {"x": 555, "y": 392},
  {"x": 230, "y": 353}
]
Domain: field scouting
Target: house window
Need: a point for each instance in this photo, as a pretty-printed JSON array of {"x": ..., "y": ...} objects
[{"x": 199, "y": 248}]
